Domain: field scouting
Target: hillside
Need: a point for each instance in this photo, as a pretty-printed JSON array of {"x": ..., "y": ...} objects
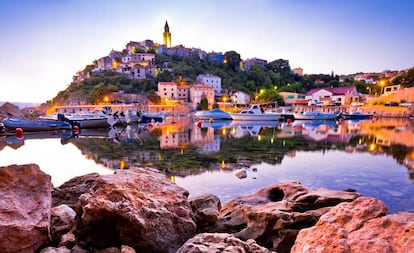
[
  {"x": 10, "y": 109},
  {"x": 269, "y": 79}
]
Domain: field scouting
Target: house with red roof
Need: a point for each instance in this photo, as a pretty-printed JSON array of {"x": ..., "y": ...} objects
[{"x": 343, "y": 95}]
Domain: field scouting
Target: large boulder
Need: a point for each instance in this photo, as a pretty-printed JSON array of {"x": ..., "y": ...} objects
[
  {"x": 359, "y": 226},
  {"x": 25, "y": 201},
  {"x": 220, "y": 242},
  {"x": 274, "y": 215},
  {"x": 68, "y": 193},
  {"x": 206, "y": 209},
  {"x": 138, "y": 207}
]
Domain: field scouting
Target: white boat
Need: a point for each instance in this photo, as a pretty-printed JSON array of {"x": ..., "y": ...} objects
[
  {"x": 82, "y": 120},
  {"x": 214, "y": 114},
  {"x": 256, "y": 112},
  {"x": 315, "y": 115}
]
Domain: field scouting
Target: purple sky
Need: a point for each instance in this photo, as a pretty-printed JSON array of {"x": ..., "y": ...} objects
[{"x": 44, "y": 43}]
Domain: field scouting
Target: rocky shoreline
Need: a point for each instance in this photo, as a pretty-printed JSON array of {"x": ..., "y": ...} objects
[{"x": 140, "y": 210}]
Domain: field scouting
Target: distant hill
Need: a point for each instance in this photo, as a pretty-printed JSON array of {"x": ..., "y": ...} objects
[
  {"x": 7, "y": 109},
  {"x": 21, "y": 105}
]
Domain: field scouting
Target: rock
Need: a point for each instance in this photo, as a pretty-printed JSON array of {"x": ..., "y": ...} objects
[
  {"x": 127, "y": 249},
  {"x": 138, "y": 207},
  {"x": 62, "y": 221},
  {"x": 205, "y": 210},
  {"x": 25, "y": 208},
  {"x": 220, "y": 242},
  {"x": 108, "y": 250},
  {"x": 55, "y": 250},
  {"x": 241, "y": 174},
  {"x": 68, "y": 240},
  {"x": 274, "y": 215},
  {"x": 68, "y": 193},
  {"x": 358, "y": 226}
]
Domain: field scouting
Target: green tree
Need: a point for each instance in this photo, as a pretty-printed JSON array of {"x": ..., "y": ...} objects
[
  {"x": 270, "y": 95},
  {"x": 232, "y": 59},
  {"x": 165, "y": 76},
  {"x": 203, "y": 105}
]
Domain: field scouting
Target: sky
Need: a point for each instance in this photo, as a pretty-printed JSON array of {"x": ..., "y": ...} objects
[{"x": 45, "y": 42}]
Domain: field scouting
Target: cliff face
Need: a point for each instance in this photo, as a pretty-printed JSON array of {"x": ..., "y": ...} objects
[{"x": 9, "y": 109}]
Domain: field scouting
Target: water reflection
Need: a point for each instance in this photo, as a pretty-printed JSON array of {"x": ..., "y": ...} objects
[{"x": 369, "y": 155}]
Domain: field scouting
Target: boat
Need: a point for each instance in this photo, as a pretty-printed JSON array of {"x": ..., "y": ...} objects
[
  {"x": 315, "y": 115},
  {"x": 82, "y": 120},
  {"x": 146, "y": 117},
  {"x": 2, "y": 128},
  {"x": 214, "y": 114},
  {"x": 33, "y": 126},
  {"x": 256, "y": 112},
  {"x": 355, "y": 115}
]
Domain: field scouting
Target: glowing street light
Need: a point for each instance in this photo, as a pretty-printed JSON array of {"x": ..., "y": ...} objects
[{"x": 382, "y": 83}]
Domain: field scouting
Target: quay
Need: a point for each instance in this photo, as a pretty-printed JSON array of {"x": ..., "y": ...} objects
[{"x": 378, "y": 110}]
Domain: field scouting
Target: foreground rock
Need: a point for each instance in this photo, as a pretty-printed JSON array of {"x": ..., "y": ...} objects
[
  {"x": 25, "y": 197},
  {"x": 136, "y": 207},
  {"x": 206, "y": 209},
  {"x": 215, "y": 242},
  {"x": 359, "y": 226},
  {"x": 69, "y": 192},
  {"x": 274, "y": 215}
]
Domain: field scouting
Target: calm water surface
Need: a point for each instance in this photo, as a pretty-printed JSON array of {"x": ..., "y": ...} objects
[{"x": 376, "y": 158}]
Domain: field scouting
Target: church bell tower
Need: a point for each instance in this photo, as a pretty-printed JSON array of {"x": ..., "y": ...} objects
[{"x": 166, "y": 35}]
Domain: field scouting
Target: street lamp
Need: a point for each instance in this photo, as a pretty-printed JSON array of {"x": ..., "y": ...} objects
[{"x": 382, "y": 83}]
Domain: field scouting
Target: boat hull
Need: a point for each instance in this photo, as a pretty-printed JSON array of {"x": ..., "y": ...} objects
[
  {"x": 347, "y": 116},
  {"x": 35, "y": 126},
  {"x": 255, "y": 117},
  {"x": 93, "y": 123},
  {"x": 82, "y": 121},
  {"x": 315, "y": 116},
  {"x": 213, "y": 114}
]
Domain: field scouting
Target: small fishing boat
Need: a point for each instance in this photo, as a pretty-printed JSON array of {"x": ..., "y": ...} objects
[
  {"x": 33, "y": 126},
  {"x": 355, "y": 115},
  {"x": 315, "y": 115},
  {"x": 214, "y": 114},
  {"x": 146, "y": 117},
  {"x": 82, "y": 120}
]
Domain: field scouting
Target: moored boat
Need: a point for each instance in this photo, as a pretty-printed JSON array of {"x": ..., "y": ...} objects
[
  {"x": 87, "y": 120},
  {"x": 146, "y": 117},
  {"x": 33, "y": 126},
  {"x": 355, "y": 115},
  {"x": 315, "y": 115},
  {"x": 256, "y": 112},
  {"x": 214, "y": 114}
]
